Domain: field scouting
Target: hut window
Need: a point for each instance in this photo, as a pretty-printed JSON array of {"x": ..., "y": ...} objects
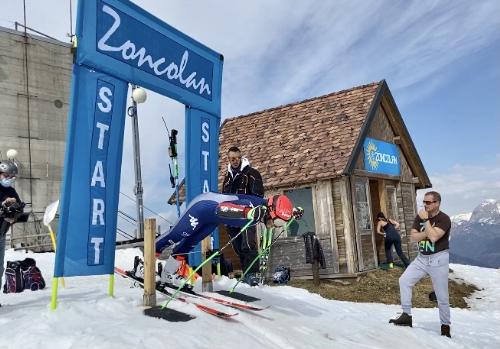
[{"x": 302, "y": 197}]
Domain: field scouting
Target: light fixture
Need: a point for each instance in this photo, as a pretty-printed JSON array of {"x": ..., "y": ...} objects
[
  {"x": 11, "y": 154},
  {"x": 139, "y": 95}
]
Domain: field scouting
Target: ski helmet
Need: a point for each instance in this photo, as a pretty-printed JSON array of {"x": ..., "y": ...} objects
[
  {"x": 9, "y": 167},
  {"x": 280, "y": 206}
]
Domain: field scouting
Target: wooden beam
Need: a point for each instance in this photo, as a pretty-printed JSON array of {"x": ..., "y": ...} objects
[
  {"x": 149, "y": 298},
  {"x": 347, "y": 208},
  {"x": 396, "y": 140},
  {"x": 333, "y": 229},
  {"x": 330, "y": 276},
  {"x": 206, "y": 270},
  {"x": 382, "y": 196},
  {"x": 324, "y": 217},
  {"x": 363, "y": 173}
]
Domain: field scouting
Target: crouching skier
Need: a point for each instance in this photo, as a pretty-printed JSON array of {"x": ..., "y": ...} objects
[{"x": 204, "y": 214}]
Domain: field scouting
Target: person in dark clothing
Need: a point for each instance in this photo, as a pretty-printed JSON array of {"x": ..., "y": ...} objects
[
  {"x": 8, "y": 197},
  {"x": 241, "y": 178},
  {"x": 388, "y": 228}
]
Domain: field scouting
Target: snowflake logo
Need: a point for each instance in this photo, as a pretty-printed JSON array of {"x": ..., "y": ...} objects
[{"x": 370, "y": 150}]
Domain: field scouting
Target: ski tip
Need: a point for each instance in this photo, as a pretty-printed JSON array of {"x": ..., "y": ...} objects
[
  {"x": 238, "y": 295},
  {"x": 215, "y": 312},
  {"x": 120, "y": 271},
  {"x": 168, "y": 314}
]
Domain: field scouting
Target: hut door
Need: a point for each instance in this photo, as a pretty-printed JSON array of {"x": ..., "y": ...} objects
[{"x": 363, "y": 223}]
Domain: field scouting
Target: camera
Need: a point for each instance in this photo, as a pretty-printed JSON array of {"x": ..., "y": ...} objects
[{"x": 13, "y": 210}]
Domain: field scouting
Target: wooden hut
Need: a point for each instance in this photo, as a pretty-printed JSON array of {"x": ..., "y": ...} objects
[{"x": 343, "y": 157}]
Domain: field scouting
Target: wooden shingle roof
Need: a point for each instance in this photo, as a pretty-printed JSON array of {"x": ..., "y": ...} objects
[
  {"x": 314, "y": 139},
  {"x": 300, "y": 142}
]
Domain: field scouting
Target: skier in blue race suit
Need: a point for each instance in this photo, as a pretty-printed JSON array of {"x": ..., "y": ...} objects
[
  {"x": 204, "y": 214},
  {"x": 208, "y": 210}
]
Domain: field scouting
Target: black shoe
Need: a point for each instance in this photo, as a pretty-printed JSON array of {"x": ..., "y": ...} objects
[
  {"x": 445, "y": 331},
  {"x": 403, "y": 320},
  {"x": 432, "y": 297}
]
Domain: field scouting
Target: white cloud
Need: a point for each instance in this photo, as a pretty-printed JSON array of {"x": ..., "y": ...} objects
[{"x": 463, "y": 187}]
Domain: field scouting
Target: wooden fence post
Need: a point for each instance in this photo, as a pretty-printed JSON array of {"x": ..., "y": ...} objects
[
  {"x": 149, "y": 298},
  {"x": 206, "y": 270}
]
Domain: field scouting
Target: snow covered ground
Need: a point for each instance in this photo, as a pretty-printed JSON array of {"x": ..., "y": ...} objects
[{"x": 87, "y": 317}]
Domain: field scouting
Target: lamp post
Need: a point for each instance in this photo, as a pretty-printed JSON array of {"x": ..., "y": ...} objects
[{"x": 138, "y": 96}]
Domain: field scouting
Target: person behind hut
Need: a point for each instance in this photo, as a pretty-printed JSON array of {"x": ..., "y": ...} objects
[
  {"x": 388, "y": 228},
  {"x": 431, "y": 229},
  {"x": 241, "y": 178}
]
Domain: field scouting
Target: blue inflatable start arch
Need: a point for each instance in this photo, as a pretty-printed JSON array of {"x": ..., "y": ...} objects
[{"x": 120, "y": 43}]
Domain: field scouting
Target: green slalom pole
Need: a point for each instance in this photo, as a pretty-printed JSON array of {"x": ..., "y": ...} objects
[
  {"x": 262, "y": 252},
  {"x": 111, "y": 286},
  {"x": 164, "y": 305},
  {"x": 53, "y": 302}
]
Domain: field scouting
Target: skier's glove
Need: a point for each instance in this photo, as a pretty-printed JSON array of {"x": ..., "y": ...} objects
[
  {"x": 257, "y": 213},
  {"x": 298, "y": 212}
]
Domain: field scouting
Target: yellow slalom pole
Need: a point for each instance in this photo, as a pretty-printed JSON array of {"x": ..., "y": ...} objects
[
  {"x": 219, "y": 274},
  {"x": 53, "y": 238},
  {"x": 53, "y": 303},
  {"x": 111, "y": 286}
]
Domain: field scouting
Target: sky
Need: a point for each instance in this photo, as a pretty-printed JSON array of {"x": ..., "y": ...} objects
[
  {"x": 439, "y": 58},
  {"x": 86, "y": 317}
]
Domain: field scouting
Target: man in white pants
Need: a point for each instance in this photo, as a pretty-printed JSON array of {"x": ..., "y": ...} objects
[{"x": 431, "y": 229}]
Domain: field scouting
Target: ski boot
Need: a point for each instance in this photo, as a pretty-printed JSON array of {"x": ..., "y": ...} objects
[
  {"x": 403, "y": 320},
  {"x": 175, "y": 272},
  {"x": 159, "y": 270},
  {"x": 138, "y": 270}
]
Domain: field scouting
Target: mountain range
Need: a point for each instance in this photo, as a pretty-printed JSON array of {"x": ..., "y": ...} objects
[{"x": 475, "y": 236}]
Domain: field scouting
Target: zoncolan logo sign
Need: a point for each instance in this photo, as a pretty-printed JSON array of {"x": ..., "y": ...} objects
[
  {"x": 381, "y": 157},
  {"x": 375, "y": 157}
]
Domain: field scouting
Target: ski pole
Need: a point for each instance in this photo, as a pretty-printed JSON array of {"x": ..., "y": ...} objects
[
  {"x": 176, "y": 177},
  {"x": 172, "y": 152},
  {"x": 210, "y": 258},
  {"x": 261, "y": 253}
]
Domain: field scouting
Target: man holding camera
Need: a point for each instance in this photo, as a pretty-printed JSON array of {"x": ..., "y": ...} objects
[{"x": 9, "y": 202}]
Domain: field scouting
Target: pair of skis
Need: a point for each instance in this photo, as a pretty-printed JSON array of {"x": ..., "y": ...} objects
[{"x": 189, "y": 298}]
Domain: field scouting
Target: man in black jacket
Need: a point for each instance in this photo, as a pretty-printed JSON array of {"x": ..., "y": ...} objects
[{"x": 241, "y": 178}]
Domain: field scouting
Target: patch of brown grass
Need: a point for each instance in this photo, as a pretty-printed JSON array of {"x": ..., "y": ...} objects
[{"x": 380, "y": 286}]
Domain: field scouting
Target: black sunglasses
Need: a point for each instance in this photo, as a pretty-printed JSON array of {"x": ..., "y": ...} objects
[{"x": 428, "y": 202}]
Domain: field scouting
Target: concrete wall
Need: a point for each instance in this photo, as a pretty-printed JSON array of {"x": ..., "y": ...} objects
[{"x": 38, "y": 96}]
